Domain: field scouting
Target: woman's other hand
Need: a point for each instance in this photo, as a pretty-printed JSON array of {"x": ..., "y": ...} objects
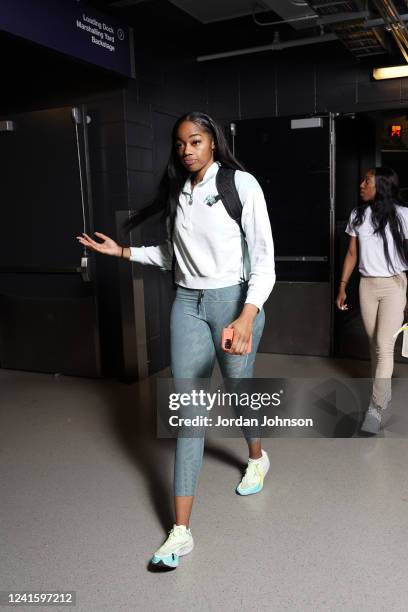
[
  {"x": 107, "y": 247},
  {"x": 242, "y": 332},
  {"x": 341, "y": 299}
]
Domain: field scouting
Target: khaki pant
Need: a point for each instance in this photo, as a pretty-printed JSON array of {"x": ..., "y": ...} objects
[{"x": 382, "y": 303}]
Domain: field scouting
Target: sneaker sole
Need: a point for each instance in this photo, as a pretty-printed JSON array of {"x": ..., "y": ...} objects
[
  {"x": 250, "y": 491},
  {"x": 171, "y": 561},
  {"x": 253, "y": 490},
  {"x": 160, "y": 565}
]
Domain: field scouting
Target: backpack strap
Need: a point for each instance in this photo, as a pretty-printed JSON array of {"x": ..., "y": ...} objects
[
  {"x": 225, "y": 182},
  {"x": 173, "y": 270},
  {"x": 228, "y": 191}
]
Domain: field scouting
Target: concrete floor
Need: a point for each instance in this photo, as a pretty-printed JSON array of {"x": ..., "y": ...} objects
[{"x": 86, "y": 499}]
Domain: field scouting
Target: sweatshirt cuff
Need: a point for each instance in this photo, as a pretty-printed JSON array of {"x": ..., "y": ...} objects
[
  {"x": 136, "y": 254},
  {"x": 254, "y": 298}
]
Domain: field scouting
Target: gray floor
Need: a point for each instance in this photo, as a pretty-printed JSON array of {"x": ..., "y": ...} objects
[{"x": 86, "y": 499}]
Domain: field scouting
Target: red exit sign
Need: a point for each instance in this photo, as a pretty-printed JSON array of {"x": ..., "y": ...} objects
[{"x": 395, "y": 132}]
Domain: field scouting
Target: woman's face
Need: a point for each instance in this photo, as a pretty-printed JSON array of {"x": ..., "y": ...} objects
[
  {"x": 367, "y": 187},
  {"x": 195, "y": 147}
]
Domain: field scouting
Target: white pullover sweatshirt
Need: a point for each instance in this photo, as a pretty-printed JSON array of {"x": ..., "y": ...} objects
[{"x": 208, "y": 244}]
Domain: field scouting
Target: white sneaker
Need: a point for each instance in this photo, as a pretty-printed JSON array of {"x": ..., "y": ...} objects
[
  {"x": 180, "y": 542},
  {"x": 255, "y": 473},
  {"x": 372, "y": 419}
]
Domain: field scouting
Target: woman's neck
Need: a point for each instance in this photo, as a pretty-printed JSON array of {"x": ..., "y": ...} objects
[{"x": 198, "y": 177}]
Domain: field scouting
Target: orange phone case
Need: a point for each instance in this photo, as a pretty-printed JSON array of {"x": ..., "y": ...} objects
[{"x": 227, "y": 336}]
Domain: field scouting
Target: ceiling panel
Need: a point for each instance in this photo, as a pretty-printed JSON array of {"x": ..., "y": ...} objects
[
  {"x": 216, "y": 10},
  {"x": 288, "y": 10}
]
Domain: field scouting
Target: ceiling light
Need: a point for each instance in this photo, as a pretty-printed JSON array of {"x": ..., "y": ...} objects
[{"x": 391, "y": 72}]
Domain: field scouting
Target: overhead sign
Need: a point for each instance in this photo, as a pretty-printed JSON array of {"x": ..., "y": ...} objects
[{"x": 72, "y": 27}]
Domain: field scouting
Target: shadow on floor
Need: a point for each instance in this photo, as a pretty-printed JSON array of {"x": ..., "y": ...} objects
[{"x": 133, "y": 419}]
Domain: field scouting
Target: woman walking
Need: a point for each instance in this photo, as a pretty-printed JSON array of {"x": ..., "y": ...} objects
[
  {"x": 224, "y": 272},
  {"x": 378, "y": 229}
]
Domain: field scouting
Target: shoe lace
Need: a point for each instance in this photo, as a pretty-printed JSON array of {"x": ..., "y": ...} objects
[
  {"x": 251, "y": 472},
  {"x": 173, "y": 532}
]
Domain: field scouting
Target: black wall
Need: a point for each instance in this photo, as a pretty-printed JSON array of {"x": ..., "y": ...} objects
[
  {"x": 310, "y": 80},
  {"x": 163, "y": 90}
]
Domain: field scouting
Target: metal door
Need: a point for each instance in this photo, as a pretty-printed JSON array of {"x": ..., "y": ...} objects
[{"x": 48, "y": 306}]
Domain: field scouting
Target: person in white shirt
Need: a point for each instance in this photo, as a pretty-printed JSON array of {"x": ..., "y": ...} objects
[
  {"x": 378, "y": 230},
  {"x": 223, "y": 278}
]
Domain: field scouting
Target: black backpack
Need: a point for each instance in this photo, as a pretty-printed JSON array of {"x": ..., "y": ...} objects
[{"x": 227, "y": 192}]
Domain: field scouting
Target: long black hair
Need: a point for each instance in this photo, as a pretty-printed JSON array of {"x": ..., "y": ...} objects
[
  {"x": 383, "y": 212},
  {"x": 175, "y": 175}
]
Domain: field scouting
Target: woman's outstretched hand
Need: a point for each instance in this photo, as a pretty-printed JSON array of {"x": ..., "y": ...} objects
[{"x": 107, "y": 247}]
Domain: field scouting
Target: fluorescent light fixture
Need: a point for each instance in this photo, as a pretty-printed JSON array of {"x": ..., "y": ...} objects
[
  {"x": 391, "y": 72},
  {"x": 309, "y": 122}
]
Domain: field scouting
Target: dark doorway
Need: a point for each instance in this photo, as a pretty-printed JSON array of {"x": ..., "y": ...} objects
[
  {"x": 48, "y": 313},
  {"x": 292, "y": 164},
  {"x": 364, "y": 141}
]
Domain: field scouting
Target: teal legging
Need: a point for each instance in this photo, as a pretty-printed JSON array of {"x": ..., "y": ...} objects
[{"x": 197, "y": 319}]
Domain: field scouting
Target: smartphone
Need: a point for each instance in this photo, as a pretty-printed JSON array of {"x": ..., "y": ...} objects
[{"x": 227, "y": 337}]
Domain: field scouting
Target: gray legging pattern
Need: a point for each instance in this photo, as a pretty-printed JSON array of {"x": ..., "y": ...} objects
[
  {"x": 197, "y": 319},
  {"x": 382, "y": 302}
]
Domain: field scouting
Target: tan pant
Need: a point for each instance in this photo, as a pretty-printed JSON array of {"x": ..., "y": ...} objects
[{"x": 382, "y": 303}]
